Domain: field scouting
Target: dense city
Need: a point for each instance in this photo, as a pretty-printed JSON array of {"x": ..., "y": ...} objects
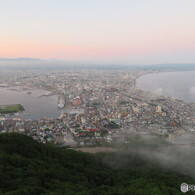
[{"x": 97, "y": 107}]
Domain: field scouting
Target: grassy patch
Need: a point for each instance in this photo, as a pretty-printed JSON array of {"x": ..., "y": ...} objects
[{"x": 11, "y": 108}]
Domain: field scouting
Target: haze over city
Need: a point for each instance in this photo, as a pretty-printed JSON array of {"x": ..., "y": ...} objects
[
  {"x": 97, "y": 97},
  {"x": 103, "y": 31}
]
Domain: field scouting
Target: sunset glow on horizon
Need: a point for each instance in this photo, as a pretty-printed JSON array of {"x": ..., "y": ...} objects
[{"x": 131, "y": 32}]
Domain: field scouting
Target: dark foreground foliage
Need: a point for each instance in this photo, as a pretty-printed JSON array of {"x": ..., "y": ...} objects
[{"x": 28, "y": 167}]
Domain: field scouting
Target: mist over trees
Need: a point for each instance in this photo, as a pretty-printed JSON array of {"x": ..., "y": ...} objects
[{"x": 29, "y": 167}]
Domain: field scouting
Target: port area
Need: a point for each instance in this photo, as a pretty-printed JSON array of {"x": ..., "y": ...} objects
[{"x": 10, "y": 109}]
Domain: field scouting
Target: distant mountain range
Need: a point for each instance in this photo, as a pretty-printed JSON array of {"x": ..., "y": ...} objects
[
  {"x": 19, "y": 59},
  {"x": 36, "y": 63}
]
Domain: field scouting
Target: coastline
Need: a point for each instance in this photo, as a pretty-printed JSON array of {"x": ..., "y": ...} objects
[
  {"x": 35, "y": 107},
  {"x": 162, "y": 95},
  {"x": 142, "y": 112}
]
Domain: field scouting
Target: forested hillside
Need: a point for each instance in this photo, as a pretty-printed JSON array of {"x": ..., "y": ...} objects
[{"x": 29, "y": 167}]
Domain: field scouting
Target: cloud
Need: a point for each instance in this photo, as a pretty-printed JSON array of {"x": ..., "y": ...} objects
[
  {"x": 159, "y": 91},
  {"x": 192, "y": 90}
]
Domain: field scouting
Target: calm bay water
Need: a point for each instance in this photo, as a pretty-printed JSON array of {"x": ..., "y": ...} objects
[
  {"x": 35, "y": 105},
  {"x": 180, "y": 85}
]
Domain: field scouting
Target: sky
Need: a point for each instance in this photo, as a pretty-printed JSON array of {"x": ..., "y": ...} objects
[{"x": 104, "y": 31}]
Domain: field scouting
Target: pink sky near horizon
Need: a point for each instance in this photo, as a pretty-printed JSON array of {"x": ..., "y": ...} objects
[
  {"x": 123, "y": 32},
  {"x": 63, "y": 51}
]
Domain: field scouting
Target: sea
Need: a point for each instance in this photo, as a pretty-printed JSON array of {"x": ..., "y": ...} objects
[
  {"x": 179, "y": 85},
  {"x": 35, "y": 105}
]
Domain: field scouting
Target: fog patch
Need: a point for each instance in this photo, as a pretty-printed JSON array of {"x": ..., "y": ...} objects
[
  {"x": 178, "y": 157},
  {"x": 158, "y": 91},
  {"x": 192, "y": 90}
]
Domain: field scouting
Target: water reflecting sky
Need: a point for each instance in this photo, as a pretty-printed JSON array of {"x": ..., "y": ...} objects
[
  {"x": 35, "y": 105},
  {"x": 180, "y": 85}
]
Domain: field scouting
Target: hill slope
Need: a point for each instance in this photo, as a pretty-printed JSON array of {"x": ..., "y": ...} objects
[{"x": 28, "y": 167}]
